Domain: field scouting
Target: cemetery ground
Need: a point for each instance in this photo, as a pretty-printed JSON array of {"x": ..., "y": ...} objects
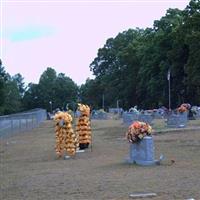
[{"x": 30, "y": 169}]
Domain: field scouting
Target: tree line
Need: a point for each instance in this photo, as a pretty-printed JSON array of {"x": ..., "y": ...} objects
[
  {"x": 53, "y": 91},
  {"x": 130, "y": 69}
]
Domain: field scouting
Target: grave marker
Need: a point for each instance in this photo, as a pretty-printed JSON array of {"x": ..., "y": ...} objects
[
  {"x": 177, "y": 120},
  {"x": 142, "y": 152}
]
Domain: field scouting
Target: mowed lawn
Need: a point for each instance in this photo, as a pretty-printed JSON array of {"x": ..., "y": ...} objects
[{"x": 30, "y": 170}]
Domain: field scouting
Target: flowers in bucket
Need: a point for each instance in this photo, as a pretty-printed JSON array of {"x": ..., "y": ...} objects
[
  {"x": 184, "y": 107},
  {"x": 137, "y": 131}
]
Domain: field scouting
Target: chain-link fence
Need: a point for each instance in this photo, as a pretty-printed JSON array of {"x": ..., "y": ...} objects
[{"x": 20, "y": 122}]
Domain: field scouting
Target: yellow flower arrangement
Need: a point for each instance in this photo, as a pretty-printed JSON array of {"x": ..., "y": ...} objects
[{"x": 183, "y": 107}]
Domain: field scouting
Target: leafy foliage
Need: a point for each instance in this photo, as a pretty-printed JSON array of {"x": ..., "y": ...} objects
[
  {"x": 132, "y": 67},
  {"x": 53, "y": 90},
  {"x": 2, "y": 86},
  {"x": 57, "y": 89}
]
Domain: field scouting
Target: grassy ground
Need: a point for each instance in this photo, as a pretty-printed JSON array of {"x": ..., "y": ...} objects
[
  {"x": 30, "y": 170},
  {"x": 160, "y": 125}
]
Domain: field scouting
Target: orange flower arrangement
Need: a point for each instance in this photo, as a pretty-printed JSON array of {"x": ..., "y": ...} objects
[
  {"x": 137, "y": 130},
  {"x": 66, "y": 139},
  {"x": 183, "y": 107},
  {"x": 83, "y": 128}
]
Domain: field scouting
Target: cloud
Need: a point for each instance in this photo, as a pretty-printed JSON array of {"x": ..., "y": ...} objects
[{"x": 29, "y": 33}]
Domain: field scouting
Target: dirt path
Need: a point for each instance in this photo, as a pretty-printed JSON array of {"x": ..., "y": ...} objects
[{"x": 29, "y": 169}]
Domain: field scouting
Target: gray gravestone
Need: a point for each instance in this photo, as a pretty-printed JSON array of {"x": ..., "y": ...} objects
[
  {"x": 147, "y": 118},
  {"x": 183, "y": 119},
  {"x": 142, "y": 152},
  {"x": 158, "y": 114},
  {"x": 129, "y": 118},
  {"x": 99, "y": 115},
  {"x": 197, "y": 114},
  {"x": 177, "y": 120}
]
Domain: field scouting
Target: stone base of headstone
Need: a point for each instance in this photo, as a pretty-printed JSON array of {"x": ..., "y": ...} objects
[
  {"x": 142, "y": 195},
  {"x": 80, "y": 151},
  {"x": 142, "y": 153},
  {"x": 67, "y": 157}
]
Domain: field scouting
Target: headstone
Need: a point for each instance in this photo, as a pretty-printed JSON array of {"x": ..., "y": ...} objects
[
  {"x": 147, "y": 118},
  {"x": 102, "y": 115},
  {"x": 183, "y": 119},
  {"x": 142, "y": 195},
  {"x": 196, "y": 114},
  {"x": 191, "y": 115},
  {"x": 177, "y": 120},
  {"x": 129, "y": 118},
  {"x": 115, "y": 110},
  {"x": 158, "y": 114},
  {"x": 99, "y": 115},
  {"x": 142, "y": 152}
]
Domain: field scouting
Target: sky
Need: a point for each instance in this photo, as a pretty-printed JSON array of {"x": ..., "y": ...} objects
[{"x": 66, "y": 35}]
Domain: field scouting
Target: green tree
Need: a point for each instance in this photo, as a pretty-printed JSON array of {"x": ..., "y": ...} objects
[
  {"x": 31, "y": 98},
  {"x": 2, "y": 87},
  {"x": 91, "y": 93},
  {"x": 65, "y": 91},
  {"x": 116, "y": 65},
  {"x": 57, "y": 89},
  {"x": 46, "y": 88},
  {"x": 191, "y": 29},
  {"x": 133, "y": 66},
  {"x": 12, "y": 102},
  {"x": 20, "y": 83}
]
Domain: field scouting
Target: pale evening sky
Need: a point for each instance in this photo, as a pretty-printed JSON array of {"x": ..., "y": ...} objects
[{"x": 66, "y": 35}]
